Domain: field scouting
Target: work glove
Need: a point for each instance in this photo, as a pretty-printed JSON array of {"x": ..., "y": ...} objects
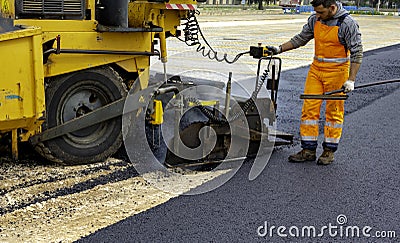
[
  {"x": 275, "y": 50},
  {"x": 348, "y": 86}
]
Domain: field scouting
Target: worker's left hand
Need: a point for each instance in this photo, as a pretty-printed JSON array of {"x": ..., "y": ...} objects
[
  {"x": 275, "y": 50},
  {"x": 348, "y": 86}
]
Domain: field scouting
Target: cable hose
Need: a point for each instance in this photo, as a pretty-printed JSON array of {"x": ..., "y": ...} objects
[
  {"x": 238, "y": 114},
  {"x": 192, "y": 31}
]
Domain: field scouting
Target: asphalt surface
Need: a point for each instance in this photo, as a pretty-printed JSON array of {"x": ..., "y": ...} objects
[{"x": 362, "y": 184}]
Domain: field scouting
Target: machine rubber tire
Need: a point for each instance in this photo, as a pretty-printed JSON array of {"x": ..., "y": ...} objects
[{"x": 70, "y": 95}]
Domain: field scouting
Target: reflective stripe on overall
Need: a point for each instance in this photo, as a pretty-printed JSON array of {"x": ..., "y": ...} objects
[{"x": 329, "y": 71}]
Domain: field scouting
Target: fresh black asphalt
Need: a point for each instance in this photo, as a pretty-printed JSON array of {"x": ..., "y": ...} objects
[{"x": 362, "y": 184}]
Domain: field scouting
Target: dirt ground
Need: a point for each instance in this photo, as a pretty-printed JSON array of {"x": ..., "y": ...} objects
[{"x": 53, "y": 203}]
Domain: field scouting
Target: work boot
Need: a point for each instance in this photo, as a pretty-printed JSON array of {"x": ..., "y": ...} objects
[
  {"x": 326, "y": 157},
  {"x": 303, "y": 156}
]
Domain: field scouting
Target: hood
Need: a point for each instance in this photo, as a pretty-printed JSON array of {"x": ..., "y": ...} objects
[{"x": 340, "y": 10}]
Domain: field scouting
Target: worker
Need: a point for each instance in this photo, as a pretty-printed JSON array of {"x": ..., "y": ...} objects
[{"x": 337, "y": 59}]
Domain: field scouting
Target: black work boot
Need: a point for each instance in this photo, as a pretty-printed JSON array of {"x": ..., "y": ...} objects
[
  {"x": 326, "y": 157},
  {"x": 304, "y": 155}
]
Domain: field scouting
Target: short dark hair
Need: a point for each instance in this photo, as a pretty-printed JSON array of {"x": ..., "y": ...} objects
[{"x": 325, "y": 3}]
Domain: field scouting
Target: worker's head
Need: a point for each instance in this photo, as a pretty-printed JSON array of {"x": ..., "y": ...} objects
[{"x": 324, "y": 9}]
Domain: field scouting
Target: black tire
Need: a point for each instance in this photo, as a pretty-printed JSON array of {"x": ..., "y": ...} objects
[{"x": 71, "y": 95}]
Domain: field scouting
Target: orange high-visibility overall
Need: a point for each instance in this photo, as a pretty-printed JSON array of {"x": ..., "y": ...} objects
[{"x": 329, "y": 71}]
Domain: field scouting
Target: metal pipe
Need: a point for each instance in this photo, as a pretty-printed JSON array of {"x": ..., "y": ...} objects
[
  {"x": 58, "y": 41},
  {"x": 272, "y": 72},
  {"x": 72, "y": 51},
  {"x": 228, "y": 95},
  {"x": 165, "y": 90},
  {"x": 329, "y": 95},
  {"x": 378, "y": 83},
  {"x": 163, "y": 43},
  {"x": 178, "y": 115},
  {"x": 323, "y": 97},
  {"x": 365, "y": 85},
  {"x": 14, "y": 144}
]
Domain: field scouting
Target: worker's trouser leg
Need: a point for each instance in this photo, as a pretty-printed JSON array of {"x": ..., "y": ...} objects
[{"x": 318, "y": 82}]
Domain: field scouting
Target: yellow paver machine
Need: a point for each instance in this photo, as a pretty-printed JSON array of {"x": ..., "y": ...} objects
[{"x": 68, "y": 66}]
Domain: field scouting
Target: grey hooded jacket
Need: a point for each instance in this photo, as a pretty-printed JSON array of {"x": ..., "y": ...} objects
[{"x": 349, "y": 33}]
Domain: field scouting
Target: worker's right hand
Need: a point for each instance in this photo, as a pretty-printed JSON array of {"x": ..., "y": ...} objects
[{"x": 275, "y": 50}]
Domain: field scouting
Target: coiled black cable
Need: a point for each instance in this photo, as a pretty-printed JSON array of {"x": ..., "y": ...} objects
[
  {"x": 192, "y": 32},
  {"x": 240, "y": 112},
  {"x": 253, "y": 96}
]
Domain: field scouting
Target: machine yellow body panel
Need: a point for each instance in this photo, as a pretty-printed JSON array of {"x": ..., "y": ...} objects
[
  {"x": 22, "y": 101},
  {"x": 82, "y": 35},
  {"x": 158, "y": 115},
  {"x": 61, "y": 43},
  {"x": 87, "y": 38}
]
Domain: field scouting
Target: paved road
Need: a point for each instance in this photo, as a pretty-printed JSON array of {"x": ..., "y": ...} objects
[{"x": 361, "y": 187}]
